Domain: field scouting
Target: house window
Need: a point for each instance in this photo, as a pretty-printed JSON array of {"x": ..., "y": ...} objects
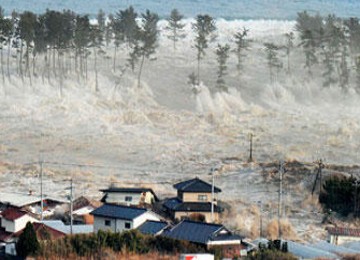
[
  {"x": 107, "y": 223},
  {"x": 202, "y": 197},
  {"x": 127, "y": 225},
  {"x": 128, "y": 198}
]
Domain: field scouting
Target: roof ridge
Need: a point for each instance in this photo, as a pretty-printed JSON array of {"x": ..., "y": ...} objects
[
  {"x": 123, "y": 206},
  {"x": 204, "y": 223},
  {"x": 190, "y": 182}
]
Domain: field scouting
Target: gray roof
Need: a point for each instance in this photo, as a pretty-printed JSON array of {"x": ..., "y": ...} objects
[
  {"x": 337, "y": 249},
  {"x": 175, "y": 204},
  {"x": 151, "y": 227},
  {"x": 355, "y": 245},
  {"x": 196, "y": 232},
  {"x": 303, "y": 251},
  {"x": 118, "y": 212},
  {"x": 60, "y": 226},
  {"x": 23, "y": 199},
  {"x": 195, "y": 185}
]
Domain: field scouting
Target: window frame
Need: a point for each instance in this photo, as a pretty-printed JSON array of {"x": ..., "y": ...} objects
[{"x": 202, "y": 197}]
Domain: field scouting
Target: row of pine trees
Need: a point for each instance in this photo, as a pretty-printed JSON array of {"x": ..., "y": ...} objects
[{"x": 56, "y": 45}]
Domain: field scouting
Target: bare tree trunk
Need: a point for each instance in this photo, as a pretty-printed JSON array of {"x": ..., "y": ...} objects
[
  {"x": 2, "y": 66},
  {"x": 8, "y": 60},
  {"x": 20, "y": 62},
  {"x": 96, "y": 72},
  {"x": 140, "y": 70},
  {"x": 114, "y": 65}
]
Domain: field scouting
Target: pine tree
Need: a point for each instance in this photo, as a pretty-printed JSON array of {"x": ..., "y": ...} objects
[
  {"x": 204, "y": 27},
  {"x": 146, "y": 42},
  {"x": 26, "y": 29},
  {"x": 175, "y": 26},
  {"x": 272, "y": 60},
  {"x": 289, "y": 47},
  {"x": 125, "y": 28},
  {"x": 311, "y": 33},
  {"x": 28, "y": 243},
  {"x": 242, "y": 45},
  {"x": 222, "y": 55},
  {"x": 357, "y": 67},
  {"x": 5, "y": 38}
]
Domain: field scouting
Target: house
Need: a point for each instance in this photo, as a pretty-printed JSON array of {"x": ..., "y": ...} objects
[
  {"x": 82, "y": 207},
  {"x": 13, "y": 220},
  {"x": 208, "y": 235},
  {"x": 118, "y": 218},
  {"x": 151, "y": 227},
  {"x": 129, "y": 196},
  {"x": 340, "y": 235},
  {"x": 194, "y": 201},
  {"x": 30, "y": 202}
]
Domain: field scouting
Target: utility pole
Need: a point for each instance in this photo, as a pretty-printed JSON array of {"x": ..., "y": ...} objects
[
  {"x": 212, "y": 195},
  {"x": 41, "y": 189},
  {"x": 71, "y": 206},
  {"x": 251, "y": 135},
  {"x": 281, "y": 171},
  {"x": 260, "y": 218}
]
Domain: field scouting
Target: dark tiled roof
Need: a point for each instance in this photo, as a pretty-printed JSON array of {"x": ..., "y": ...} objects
[
  {"x": 341, "y": 231},
  {"x": 172, "y": 203},
  {"x": 195, "y": 185},
  {"x": 175, "y": 204},
  {"x": 118, "y": 212},
  {"x": 196, "y": 232},
  {"x": 226, "y": 237},
  {"x": 12, "y": 214},
  {"x": 152, "y": 227}
]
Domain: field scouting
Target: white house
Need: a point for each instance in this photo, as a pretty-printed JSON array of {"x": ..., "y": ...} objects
[
  {"x": 129, "y": 196},
  {"x": 14, "y": 220},
  {"x": 118, "y": 218}
]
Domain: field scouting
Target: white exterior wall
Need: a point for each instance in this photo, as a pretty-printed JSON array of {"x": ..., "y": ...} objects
[
  {"x": 118, "y": 225},
  {"x": 17, "y": 224},
  {"x": 99, "y": 224},
  {"x": 115, "y": 197},
  {"x": 119, "y": 197},
  {"x": 144, "y": 217}
]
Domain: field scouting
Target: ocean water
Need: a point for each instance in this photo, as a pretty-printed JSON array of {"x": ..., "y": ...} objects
[{"x": 227, "y": 9}]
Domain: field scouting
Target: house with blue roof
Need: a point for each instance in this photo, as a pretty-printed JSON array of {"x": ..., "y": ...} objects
[
  {"x": 194, "y": 198},
  {"x": 151, "y": 227},
  {"x": 208, "y": 235},
  {"x": 118, "y": 218}
]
